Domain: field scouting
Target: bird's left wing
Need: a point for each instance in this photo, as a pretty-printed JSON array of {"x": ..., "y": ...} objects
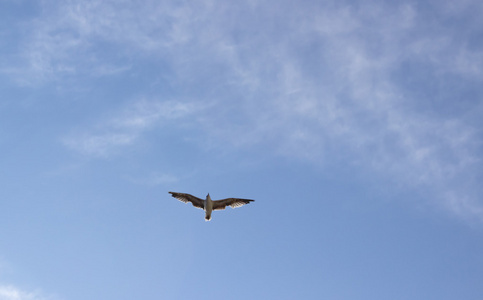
[
  {"x": 197, "y": 202},
  {"x": 233, "y": 202}
]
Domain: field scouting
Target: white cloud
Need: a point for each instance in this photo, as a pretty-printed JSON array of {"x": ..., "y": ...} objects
[{"x": 9, "y": 292}]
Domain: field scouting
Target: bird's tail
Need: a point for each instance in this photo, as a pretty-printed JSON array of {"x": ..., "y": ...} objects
[{"x": 208, "y": 217}]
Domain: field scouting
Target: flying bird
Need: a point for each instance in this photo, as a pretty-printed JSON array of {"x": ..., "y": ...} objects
[{"x": 209, "y": 205}]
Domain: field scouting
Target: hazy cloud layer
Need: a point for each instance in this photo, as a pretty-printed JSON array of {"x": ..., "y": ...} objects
[{"x": 394, "y": 86}]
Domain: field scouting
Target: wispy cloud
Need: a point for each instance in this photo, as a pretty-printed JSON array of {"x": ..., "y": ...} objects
[
  {"x": 156, "y": 179},
  {"x": 100, "y": 144},
  {"x": 125, "y": 127}
]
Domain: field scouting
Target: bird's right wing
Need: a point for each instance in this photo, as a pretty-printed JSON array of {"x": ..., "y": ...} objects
[
  {"x": 233, "y": 202},
  {"x": 197, "y": 202}
]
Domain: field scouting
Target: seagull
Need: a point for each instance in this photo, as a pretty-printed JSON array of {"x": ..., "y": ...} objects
[{"x": 209, "y": 205}]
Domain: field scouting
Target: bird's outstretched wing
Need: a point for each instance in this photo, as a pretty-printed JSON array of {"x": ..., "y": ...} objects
[
  {"x": 233, "y": 202},
  {"x": 197, "y": 202}
]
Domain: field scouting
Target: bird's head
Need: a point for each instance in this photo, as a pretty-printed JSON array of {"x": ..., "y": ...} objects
[{"x": 208, "y": 196}]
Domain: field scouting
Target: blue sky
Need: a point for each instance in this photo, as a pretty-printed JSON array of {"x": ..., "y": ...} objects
[{"x": 356, "y": 127}]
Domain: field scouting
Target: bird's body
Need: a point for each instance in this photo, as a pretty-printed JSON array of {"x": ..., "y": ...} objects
[{"x": 209, "y": 205}]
